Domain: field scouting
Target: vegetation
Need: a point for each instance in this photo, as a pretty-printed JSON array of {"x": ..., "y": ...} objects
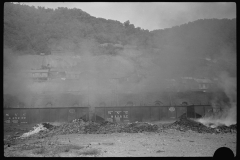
[
  {"x": 30, "y": 30},
  {"x": 38, "y": 30}
]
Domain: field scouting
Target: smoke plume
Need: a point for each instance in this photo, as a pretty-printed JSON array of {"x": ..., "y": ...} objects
[{"x": 224, "y": 113}]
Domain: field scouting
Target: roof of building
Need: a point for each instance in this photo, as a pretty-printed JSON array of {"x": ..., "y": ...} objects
[
  {"x": 38, "y": 71},
  {"x": 203, "y": 80}
]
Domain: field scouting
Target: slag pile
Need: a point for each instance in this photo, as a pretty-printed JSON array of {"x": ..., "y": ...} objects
[
  {"x": 184, "y": 124},
  {"x": 104, "y": 127},
  {"x": 79, "y": 126}
]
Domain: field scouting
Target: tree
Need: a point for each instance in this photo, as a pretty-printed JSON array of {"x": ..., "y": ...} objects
[{"x": 127, "y": 23}]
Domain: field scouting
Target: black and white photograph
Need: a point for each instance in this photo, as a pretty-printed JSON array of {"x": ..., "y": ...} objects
[{"x": 119, "y": 79}]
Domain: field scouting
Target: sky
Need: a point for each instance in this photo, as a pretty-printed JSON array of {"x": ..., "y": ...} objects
[{"x": 150, "y": 15}]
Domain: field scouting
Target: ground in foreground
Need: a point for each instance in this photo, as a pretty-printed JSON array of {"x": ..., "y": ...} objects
[{"x": 169, "y": 142}]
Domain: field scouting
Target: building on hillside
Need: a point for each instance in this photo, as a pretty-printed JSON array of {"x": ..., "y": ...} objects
[
  {"x": 57, "y": 74},
  {"x": 111, "y": 45},
  {"x": 190, "y": 90},
  {"x": 39, "y": 74},
  {"x": 73, "y": 75},
  {"x": 194, "y": 84},
  {"x": 204, "y": 84}
]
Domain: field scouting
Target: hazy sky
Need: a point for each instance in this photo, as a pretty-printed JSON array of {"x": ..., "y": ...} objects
[{"x": 150, "y": 15}]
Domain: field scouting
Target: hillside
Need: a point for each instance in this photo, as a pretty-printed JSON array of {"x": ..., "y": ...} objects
[
  {"x": 110, "y": 55},
  {"x": 29, "y": 30},
  {"x": 42, "y": 30}
]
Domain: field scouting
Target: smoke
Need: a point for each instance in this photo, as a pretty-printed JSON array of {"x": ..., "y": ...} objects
[
  {"x": 224, "y": 106},
  {"x": 15, "y": 81},
  {"x": 139, "y": 73},
  {"x": 224, "y": 112},
  {"x": 103, "y": 77}
]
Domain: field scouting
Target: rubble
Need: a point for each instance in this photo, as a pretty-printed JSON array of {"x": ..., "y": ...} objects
[
  {"x": 139, "y": 127},
  {"x": 185, "y": 124},
  {"x": 48, "y": 125},
  {"x": 79, "y": 126}
]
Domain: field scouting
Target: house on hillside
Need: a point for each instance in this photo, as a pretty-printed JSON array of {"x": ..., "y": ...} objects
[
  {"x": 38, "y": 74},
  {"x": 57, "y": 74},
  {"x": 111, "y": 44},
  {"x": 189, "y": 90},
  {"x": 193, "y": 84},
  {"x": 203, "y": 84}
]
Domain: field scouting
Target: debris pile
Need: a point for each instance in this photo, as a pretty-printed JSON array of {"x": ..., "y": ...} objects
[
  {"x": 184, "y": 124},
  {"x": 104, "y": 128},
  {"x": 140, "y": 127},
  {"x": 227, "y": 129},
  {"x": 79, "y": 120},
  {"x": 47, "y": 125},
  {"x": 36, "y": 129},
  {"x": 82, "y": 127},
  {"x": 79, "y": 126},
  {"x": 109, "y": 127}
]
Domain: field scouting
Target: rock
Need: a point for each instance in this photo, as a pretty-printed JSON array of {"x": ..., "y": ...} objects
[
  {"x": 47, "y": 125},
  {"x": 218, "y": 130}
]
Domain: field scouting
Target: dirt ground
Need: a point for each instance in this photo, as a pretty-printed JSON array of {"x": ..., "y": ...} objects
[{"x": 167, "y": 143}]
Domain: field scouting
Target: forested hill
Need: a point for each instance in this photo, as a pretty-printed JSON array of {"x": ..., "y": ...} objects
[
  {"x": 201, "y": 37},
  {"x": 30, "y": 30}
]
